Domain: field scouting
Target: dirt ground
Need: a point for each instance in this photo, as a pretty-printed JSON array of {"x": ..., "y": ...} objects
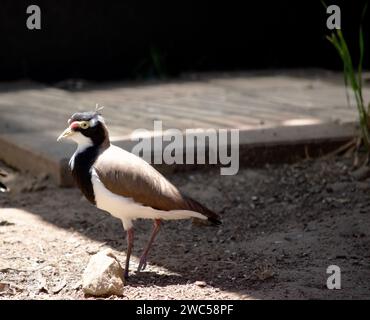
[{"x": 282, "y": 227}]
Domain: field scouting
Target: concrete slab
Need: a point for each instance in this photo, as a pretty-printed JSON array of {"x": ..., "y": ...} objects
[{"x": 280, "y": 108}]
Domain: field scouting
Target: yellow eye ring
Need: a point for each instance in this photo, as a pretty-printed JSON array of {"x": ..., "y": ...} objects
[{"x": 84, "y": 124}]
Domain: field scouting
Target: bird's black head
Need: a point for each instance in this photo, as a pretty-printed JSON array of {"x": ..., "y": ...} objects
[{"x": 86, "y": 128}]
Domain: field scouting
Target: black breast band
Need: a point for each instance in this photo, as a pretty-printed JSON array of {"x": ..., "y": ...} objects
[{"x": 81, "y": 171}]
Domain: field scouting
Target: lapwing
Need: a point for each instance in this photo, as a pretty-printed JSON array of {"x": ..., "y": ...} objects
[{"x": 123, "y": 184}]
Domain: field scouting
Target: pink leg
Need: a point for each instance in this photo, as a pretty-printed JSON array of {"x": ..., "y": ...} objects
[
  {"x": 130, "y": 242},
  {"x": 142, "y": 264}
]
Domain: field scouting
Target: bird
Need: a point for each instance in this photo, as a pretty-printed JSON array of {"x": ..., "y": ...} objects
[{"x": 125, "y": 185}]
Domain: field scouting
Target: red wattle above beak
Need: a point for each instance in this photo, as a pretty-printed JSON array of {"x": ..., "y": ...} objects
[{"x": 74, "y": 125}]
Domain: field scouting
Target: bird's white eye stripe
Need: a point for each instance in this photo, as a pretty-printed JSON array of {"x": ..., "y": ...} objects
[
  {"x": 93, "y": 122},
  {"x": 101, "y": 119}
]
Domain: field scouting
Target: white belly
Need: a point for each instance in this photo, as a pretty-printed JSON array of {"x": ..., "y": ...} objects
[{"x": 127, "y": 209}]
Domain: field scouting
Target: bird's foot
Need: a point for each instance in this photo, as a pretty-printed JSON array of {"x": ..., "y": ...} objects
[
  {"x": 142, "y": 264},
  {"x": 125, "y": 274}
]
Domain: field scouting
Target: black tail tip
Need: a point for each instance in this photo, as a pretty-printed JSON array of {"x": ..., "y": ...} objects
[
  {"x": 211, "y": 222},
  {"x": 214, "y": 221},
  {"x": 3, "y": 188}
]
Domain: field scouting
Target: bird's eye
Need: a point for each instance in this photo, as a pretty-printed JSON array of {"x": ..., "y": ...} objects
[{"x": 84, "y": 125}]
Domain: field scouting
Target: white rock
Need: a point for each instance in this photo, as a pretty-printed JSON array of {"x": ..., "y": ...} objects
[
  {"x": 103, "y": 275},
  {"x": 200, "y": 283}
]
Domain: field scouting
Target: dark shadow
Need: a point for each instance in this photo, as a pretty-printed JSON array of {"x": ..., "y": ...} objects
[
  {"x": 277, "y": 249},
  {"x": 187, "y": 251}
]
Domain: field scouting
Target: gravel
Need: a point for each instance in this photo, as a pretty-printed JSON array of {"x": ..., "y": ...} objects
[{"x": 282, "y": 227}]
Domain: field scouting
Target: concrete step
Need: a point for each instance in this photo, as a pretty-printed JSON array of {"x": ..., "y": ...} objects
[{"x": 273, "y": 111}]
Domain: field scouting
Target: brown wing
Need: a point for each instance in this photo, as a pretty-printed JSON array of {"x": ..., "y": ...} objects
[{"x": 125, "y": 174}]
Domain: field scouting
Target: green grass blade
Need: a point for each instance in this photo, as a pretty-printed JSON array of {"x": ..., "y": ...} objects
[
  {"x": 362, "y": 47},
  {"x": 353, "y": 78},
  {"x": 324, "y": 4}
]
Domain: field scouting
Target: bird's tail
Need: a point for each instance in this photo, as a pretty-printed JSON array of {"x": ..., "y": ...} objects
[
  {"x": 211, "y": 216},
  {"x": 178, "y": 214},
  {"x": 3, "y": 188},
  {"x": 191, "y": 209}
]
